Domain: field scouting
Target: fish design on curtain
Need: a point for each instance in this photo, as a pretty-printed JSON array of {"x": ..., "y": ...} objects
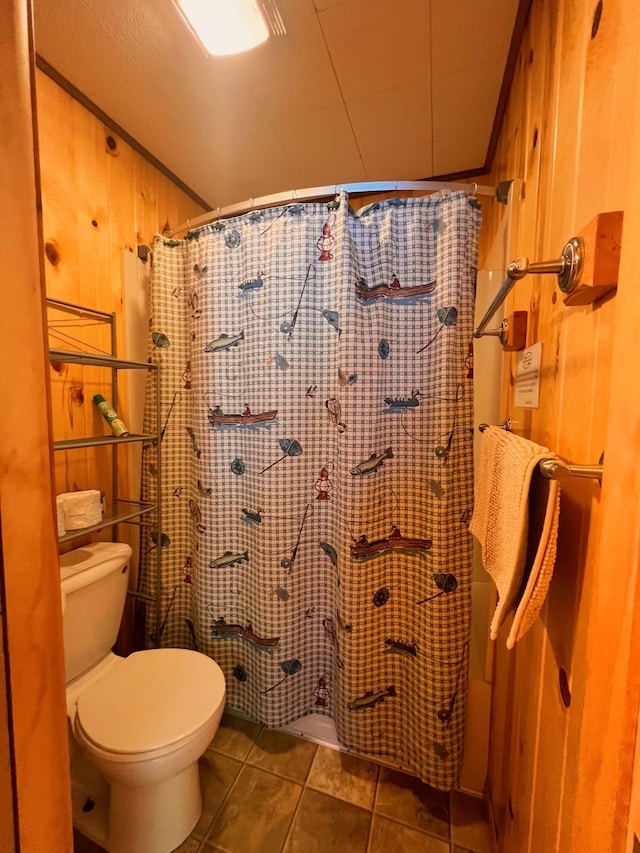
[{"x": 317, "y": 466}]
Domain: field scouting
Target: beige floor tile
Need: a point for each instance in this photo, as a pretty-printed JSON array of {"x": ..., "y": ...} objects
[
  {"x": 408, "y": 800},
  {"x": 344, "y": 776},
  {"x": 283, "y": 754},
  {"x": 388, "y": 835},
  {"x": 217, "y": 775},
  {"x": 469, "y": 823},
  {"x": 235, "y": 736},
  {"x": 324, "y": 824},
  {"x": 256, "y": 815}
]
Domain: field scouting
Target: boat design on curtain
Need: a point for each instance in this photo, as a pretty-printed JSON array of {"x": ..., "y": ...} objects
[{"x": 317, "y": 465}]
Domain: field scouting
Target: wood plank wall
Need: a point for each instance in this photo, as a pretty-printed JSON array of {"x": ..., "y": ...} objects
[
  {"x": 559, "y": 776},
  {"x": 99, "y": 198}
]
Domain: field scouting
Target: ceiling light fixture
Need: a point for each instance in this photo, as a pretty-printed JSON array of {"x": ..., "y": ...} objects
[{"x": 224, "y": 27}]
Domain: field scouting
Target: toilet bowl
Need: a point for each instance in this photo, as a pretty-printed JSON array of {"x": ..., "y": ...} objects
[
  {"x": 144, "y": 724},
  {"x": 141, "y": 722}
]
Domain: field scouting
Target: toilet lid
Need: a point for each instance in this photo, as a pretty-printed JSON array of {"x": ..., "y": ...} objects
[{"x": 150, "y": 700}]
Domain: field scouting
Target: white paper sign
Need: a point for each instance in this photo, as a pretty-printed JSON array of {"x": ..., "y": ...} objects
[{"x": 527, "y": 378}]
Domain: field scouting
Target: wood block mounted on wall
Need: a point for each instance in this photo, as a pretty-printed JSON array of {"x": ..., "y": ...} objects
[
  {"x": 602, "y": 239},
  {"x": 515, "y": 333}
]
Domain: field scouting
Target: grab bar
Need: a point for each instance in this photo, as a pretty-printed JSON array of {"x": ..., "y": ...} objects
[
  {"x": 567, "y": 267},
  {"x": 556, "y": 469},
  {"x": 498, "y": 299}
]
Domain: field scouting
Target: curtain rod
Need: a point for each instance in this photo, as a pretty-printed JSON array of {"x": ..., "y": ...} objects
[{"x": 320, "y": 192}]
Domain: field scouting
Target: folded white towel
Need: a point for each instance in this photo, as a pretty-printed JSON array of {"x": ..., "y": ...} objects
[{"x": 82, "y": 509}]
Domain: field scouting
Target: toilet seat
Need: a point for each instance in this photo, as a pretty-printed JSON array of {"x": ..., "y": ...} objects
[{"x": 150, "y": 701}]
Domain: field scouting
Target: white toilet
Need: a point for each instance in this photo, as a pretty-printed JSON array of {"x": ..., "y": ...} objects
[{"x": 139, "y": 724}]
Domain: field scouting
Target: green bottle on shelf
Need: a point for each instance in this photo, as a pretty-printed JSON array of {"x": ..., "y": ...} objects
[{"x": 110, "y": 415}]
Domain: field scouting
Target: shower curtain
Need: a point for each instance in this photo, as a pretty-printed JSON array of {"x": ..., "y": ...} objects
[{"x": 316, "y": 402}]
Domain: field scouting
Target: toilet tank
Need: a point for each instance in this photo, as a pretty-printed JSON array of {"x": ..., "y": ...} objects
[{"x": 94, "y": 582}]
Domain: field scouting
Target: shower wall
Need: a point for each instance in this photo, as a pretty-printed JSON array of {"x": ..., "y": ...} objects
[{"x": 565, "y": 699}]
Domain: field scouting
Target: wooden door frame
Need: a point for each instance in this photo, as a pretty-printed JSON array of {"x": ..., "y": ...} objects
[
  {"x": 612, "y": 686},
  {"x": 32, "y": 612}
]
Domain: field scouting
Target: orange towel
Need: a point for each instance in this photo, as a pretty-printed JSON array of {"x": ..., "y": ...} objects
[{"x": 515, "y": 520}]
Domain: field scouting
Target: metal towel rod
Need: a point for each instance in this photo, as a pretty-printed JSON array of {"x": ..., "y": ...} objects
[
  {"x": 506, "y": 425},
  {"x": 567, "y": 267},
  {"x": 556, "y": 469}
]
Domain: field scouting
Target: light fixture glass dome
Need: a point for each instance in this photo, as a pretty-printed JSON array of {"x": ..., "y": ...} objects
[{"x": 224, "y": 27}]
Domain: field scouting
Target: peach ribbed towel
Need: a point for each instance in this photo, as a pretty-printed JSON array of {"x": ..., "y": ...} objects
[{"x": 515, "y": 520}]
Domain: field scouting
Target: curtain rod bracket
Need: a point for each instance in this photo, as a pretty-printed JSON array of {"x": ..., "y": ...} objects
[{"x": 502, "y": 192}]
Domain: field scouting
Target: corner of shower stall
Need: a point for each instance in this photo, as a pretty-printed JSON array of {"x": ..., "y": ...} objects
[{"x": 487, "y": 364}]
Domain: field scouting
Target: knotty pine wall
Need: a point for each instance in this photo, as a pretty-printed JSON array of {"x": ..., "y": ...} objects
[
  {"x": 99, "y": 197},
  {"x": 559, "y": 776}
]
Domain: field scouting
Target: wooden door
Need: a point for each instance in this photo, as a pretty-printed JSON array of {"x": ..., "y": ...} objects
[{"x": 32, "y": 634}]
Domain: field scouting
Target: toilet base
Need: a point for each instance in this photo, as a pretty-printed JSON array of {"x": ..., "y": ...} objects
[{"x": 154, "y": 818}]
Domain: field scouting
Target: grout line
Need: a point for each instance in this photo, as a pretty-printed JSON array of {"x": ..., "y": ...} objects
[
  {"x": 293, "y": 819},
  {"x": 313, "y": 761},
  {"x": 295, "y": 811},
  {"x": 222, "y": 802},
  {"x": 243, "y": 764},
  {"x": 373, "y": 809}
]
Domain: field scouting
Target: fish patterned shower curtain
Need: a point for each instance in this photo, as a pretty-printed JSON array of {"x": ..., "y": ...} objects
[{"x": 316, "y": 400}]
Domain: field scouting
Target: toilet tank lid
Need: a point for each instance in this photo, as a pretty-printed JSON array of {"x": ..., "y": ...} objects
[
  {"x": 150, "y": 700},
  {"x": 98, "y": 554}
]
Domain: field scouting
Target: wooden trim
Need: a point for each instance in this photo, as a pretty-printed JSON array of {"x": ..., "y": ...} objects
[
  {"x": 33, "y": 616},
  {"x": 522, "y": 16},
  {"x": 8, "y": 804},
  {"x": 458, "y": 176},
  {"x": 89, "y": 105}
]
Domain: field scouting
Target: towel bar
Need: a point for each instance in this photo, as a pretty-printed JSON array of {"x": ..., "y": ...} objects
[
  {"x": 556, "y": 469},
  {"x": 506, "y": 425}
]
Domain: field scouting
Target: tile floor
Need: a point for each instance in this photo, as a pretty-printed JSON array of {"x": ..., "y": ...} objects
[{"x": 270, "y": 792}]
